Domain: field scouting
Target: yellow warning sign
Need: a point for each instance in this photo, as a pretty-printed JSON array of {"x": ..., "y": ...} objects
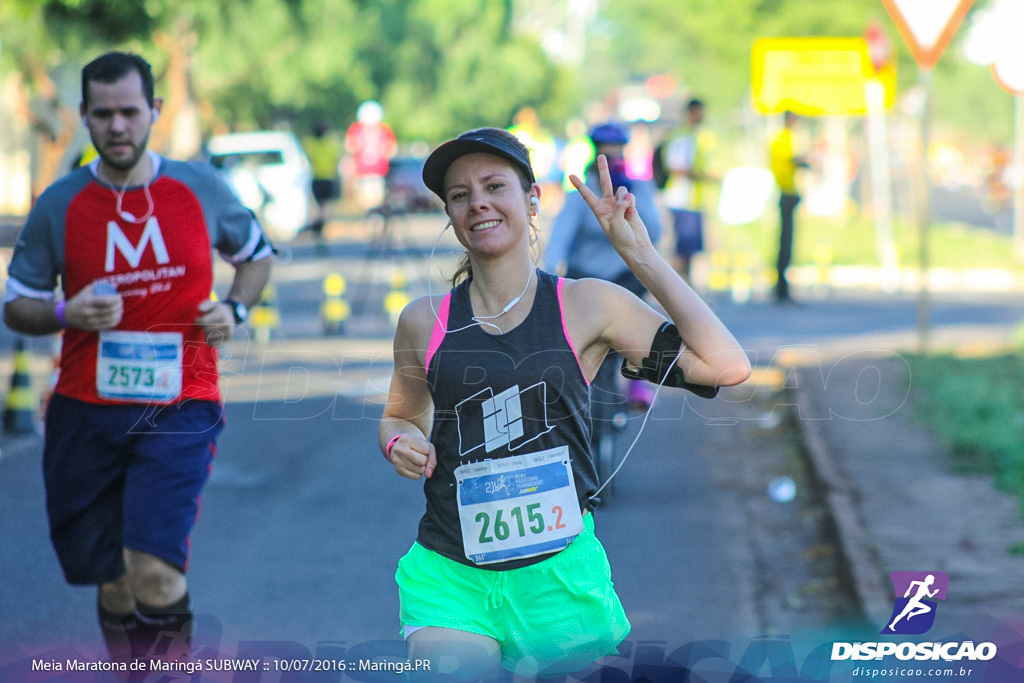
[{"x": 815, "y": 76}]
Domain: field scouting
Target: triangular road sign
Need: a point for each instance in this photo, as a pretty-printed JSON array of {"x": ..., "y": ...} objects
[
  {"x": 1009, "y": 74},
  {"x": 927, "y": 25},
  {"x": 1008, "y": 65}
]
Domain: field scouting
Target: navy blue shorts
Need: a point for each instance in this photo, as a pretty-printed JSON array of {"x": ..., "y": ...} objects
[
  {"x": 325, "y": 190},
  {"x": 689, "y": 229},
  {"x": 124, "y": 476}
]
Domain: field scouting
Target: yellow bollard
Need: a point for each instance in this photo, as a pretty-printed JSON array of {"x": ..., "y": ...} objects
[
  {"x": 264, "y": 316},
  {"x": 334, "y": 310},
  {"x": 22, "y": 401},
  {"x": 718, "y": 275},
  {"x": 396, "y": 298}
]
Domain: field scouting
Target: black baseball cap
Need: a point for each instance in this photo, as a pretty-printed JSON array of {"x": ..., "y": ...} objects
[{"x": 482, "y": 140}]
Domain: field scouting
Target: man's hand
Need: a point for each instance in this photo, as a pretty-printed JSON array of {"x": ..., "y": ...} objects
[
  {"x": 93, "y": 312},
  {"x": 218, "y": 320}
]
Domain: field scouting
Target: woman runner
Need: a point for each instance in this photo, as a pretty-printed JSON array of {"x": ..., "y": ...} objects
[{"x": 489, "y": 405}]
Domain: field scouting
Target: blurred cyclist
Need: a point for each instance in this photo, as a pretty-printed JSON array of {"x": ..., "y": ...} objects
[{"x": 578, "y": 243}]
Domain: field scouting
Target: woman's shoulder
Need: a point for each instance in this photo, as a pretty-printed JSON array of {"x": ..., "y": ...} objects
[
  {"x": 586, "y": 291},
  {"x": 590, "y": 306},
  {"x": 419, "y": 316}
]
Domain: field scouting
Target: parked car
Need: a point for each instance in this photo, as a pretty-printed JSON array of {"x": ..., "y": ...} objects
[
  {"x": 271, "y": 174},
  {"x": 404, "y": 191}
]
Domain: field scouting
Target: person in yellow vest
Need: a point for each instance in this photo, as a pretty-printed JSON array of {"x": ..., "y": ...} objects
[
  {"x": 527, "y": 127},
  {"x": 685, "y": 158},
  {"x": 324, "y": 151},
  {"x": 578, "y": 152},
  {"x": 88, "y": 154},
  {"x": 784, "y": 164}
]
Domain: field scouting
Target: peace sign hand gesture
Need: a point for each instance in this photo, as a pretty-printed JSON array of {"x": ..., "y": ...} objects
[{"x": 615, "y": 210}]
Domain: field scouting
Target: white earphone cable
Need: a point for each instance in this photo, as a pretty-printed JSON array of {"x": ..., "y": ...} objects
[
  {"x": 643, "y": 424},
  {"x": 482, "y": 320},
  {"x": 119, "y": 193},
  {"x": 477, "y": 319}
]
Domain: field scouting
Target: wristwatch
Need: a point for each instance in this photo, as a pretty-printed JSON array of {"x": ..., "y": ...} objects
[{"x": 238, "y": 309}]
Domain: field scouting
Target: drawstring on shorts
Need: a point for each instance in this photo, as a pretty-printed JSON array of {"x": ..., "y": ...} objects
[{"x": 497, "y": 596}]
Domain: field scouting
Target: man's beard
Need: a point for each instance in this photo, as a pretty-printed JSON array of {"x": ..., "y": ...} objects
[{"x": 126, "y": 164}]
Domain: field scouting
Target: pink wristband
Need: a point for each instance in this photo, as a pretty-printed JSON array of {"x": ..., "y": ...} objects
[
  {"x": 58, "y": 312},
  {"x": 387, "y": 449}
]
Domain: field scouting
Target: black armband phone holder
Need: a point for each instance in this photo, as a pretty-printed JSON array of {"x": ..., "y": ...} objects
[{"x": 661, "y": 362}]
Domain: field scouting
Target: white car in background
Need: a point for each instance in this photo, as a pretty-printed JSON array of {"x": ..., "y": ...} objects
[{"x": 271, "y": 174}]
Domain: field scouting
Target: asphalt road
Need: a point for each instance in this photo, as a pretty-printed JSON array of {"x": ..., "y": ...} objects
[
  {"x": 302, "y": 521},
  {"x": 302, "y": 525}
]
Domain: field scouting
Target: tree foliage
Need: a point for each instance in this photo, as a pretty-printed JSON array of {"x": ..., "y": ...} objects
[{"x": 437, "y": 66}]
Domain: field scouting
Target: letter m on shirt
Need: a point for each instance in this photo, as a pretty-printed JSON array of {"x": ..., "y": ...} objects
[{"x": 151, "y": 235}]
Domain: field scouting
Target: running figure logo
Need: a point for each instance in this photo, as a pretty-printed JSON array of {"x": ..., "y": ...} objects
[
  {"x": 502, "y": 483},
  {"x": 915, "y": 594}
]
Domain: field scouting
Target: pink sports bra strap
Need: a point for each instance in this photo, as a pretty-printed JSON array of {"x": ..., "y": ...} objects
[
  {"x": 440, "y": 327},
  {"x": 565, "y": 330}
]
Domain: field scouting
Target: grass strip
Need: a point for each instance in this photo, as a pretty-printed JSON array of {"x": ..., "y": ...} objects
[{"x": 976, "y": 407}]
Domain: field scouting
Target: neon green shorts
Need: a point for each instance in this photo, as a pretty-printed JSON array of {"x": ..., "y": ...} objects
[{"x": 562, "y": 612}]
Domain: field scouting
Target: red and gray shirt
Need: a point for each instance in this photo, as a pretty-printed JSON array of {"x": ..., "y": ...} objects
[{"x": 153, "y": 244}]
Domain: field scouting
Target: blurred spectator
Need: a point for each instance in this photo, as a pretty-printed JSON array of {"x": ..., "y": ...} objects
[
  {"x": 577, "y": 153},
  {"x": 541, "y": 143},
  {"x": 784, "y": 164},
  {"x": 371, "y": 142},
  {"x": 88, "y": 154},
  {"x": 685, "y": 161},
  {"x": 324, "y": 151},
  {"x": 640, "y": 153}
]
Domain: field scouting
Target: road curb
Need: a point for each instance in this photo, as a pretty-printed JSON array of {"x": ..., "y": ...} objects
[{"x": 859, "y": 549}]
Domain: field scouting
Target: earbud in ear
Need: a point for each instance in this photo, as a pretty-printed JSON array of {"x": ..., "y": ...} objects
[
  {"x": 156, "y": 115},
  {"x": 534, "y": 201},
  {"x": 85, "y": 120}
]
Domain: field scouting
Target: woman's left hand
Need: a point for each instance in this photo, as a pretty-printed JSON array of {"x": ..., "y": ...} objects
[{"x": 616, "y": 211}]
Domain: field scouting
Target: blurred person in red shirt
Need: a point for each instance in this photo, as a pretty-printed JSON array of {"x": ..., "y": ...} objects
[{"x": 372, "y": 143}]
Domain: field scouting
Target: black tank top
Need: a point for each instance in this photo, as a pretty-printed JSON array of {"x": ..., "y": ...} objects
[{"x": 542, "y": 402}]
